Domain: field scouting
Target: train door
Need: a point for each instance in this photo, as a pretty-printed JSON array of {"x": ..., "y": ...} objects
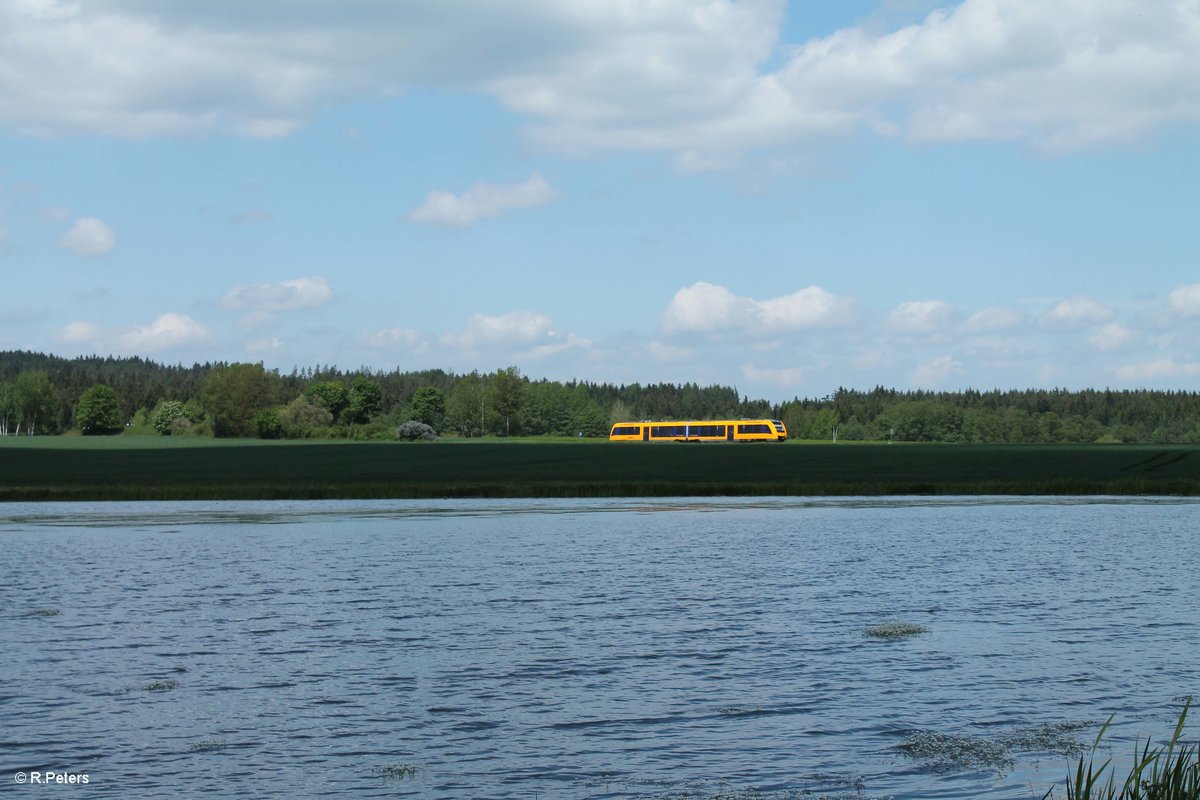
[
  {"x": 645, "y": 433},
  {"x": 729, "y": 433}
]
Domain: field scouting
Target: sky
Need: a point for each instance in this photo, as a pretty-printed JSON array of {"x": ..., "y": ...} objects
[{"x": 784, "y": 197}]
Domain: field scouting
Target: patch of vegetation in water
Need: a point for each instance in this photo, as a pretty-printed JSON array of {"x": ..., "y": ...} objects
[
  {"x": 945, "y": 751},
  {"x": 44, "y": 612},
  {"x": 948, "y": 751},
  {"x": 833, "y": 787},
  {"x": 168, "y": 685},
  {"x": 734, "y": 711},
  {"x": 208, "y": 746},
  {"x": 398, "y": 771},
  {"x": 892, "y": 631}
]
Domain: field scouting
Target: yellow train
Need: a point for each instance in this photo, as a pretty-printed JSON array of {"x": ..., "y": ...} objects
[{"x": 709, "y": 430}]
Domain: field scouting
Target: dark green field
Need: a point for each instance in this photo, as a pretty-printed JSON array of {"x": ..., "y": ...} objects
[{"x": 130, "y": 468}]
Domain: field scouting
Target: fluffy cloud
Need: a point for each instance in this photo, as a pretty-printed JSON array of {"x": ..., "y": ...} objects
[
  {"x": 285, "y": 296},
  {"x": 482, "y": 201},
  {"x": 1078, "y": 311},
  {"x": 700, "y": 79},
  {"x": 1158, "y": 369},
  {"x": 921, "y": 316},
  {"x": 708, "y": 308},
  {"x": 81, "y": 332},
  {"x": 936, "y": 373},
  {"x": 994, "y": 319},
  {"x": 89, "y": 236},
  {"x": 392, "y": 338},
  {"x": 513, "y": 328},
  {"x": 264, "y": 346},
  {"x": 785, "y": 377},
  {"x": 165, "y": 333},
  {"x": 1112, "y": 336},
  {"x": 1185, "y": 300}
]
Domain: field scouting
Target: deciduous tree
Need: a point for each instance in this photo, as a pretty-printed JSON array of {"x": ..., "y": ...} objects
[{"x": 98, "y": 412}]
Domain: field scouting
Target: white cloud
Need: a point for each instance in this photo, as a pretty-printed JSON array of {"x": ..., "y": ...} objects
[
  {"x": 994, "y": 319},
  {"x": 284, "y": 296},
  {"x": 1185, "y": 300},
  {"x": 700, "y": 79},
  {"x": 562, "y": 344},
  {"x": 1112, "y": 336},
  {"x": 515, "y": 327},
  {"x": 921, "y": 316},
  {"x": 482, "y": 201},
  {"x": 89, "y": 237},
  {"x": 708, "y": 308},
  {"x": 935, "y": 373},
  {"x": 1160, "y": 368},
  {"x": 785, "y": 377},
  {"x": 165, "y": 333},
  {"x": 81, "y": 332},
  {"x": 406, "y": 338},
  {"x": 1078, "y": 311},
  {"x": 666, "y": 353},
  {"x": 264, "y": 346}
]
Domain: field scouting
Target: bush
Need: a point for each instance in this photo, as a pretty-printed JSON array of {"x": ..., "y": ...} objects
[
  {"x": 304, "y": 418},
  {"x": 267, "y": 424},
  {"x": 166, "y": 416},
  {"x": 414, "y": 431}
]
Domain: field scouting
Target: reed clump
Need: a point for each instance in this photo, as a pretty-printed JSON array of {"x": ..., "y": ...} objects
[
  {"x": 44, "y": 612},
  {"x": 1162, "y": 772}
]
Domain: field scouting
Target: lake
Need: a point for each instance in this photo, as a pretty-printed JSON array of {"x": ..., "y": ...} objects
[{"x": 590, "y": 649}]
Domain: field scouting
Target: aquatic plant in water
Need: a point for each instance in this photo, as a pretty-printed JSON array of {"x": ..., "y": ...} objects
[
  {"x": 944, "y": 751},
  {"x": 400, "y": 771},
  {"x": 894, "y": 630},
  {"x": 44, "y": 612}
]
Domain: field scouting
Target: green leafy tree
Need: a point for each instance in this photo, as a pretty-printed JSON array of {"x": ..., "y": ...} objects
[
  {"x": 330, "y": 395},
  {"x": 233, "y": 396},
  {"x": 429, "y": 406},
  {"x": 303, "y": 419},
  {"x": 33, "y": 400},
  {"x": 8, "y": 407},
  {"x": 619, "y": 412},
  {"x": 584, "y": 415},
  {"x": 365, "y": 399},
  {"x": 267, "y": 424},
  {"x": 508, "y": 397},
  {"x": 98, "y": 412},
  {"x": 468, "y": 409}
]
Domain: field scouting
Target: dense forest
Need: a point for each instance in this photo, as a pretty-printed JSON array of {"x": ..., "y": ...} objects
[{"x": 46, "y": 394}]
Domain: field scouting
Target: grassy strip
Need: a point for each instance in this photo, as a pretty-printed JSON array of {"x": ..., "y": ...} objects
[{"x": 80, "y": 470}]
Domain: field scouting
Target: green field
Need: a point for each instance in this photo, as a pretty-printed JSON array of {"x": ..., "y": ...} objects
[{"x": 158, "y": 468}]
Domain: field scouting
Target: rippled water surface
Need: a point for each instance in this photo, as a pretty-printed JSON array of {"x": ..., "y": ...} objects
[{"x": 609, "y": 649}]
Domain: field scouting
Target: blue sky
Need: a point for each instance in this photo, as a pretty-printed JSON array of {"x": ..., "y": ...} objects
[{"x": 785, "y": 197}]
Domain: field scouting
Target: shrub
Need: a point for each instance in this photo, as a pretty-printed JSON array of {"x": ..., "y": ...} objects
[{"x": 414, "y": 431}]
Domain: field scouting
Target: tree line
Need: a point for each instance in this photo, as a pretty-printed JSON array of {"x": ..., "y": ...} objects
[{"x": 47, "y": 394}]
